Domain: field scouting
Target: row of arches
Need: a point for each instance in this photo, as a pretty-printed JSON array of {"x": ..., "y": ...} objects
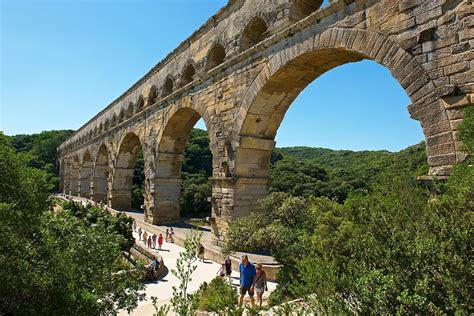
[
  {"x": 105, "y": 176},
  {"x": 254, "y": 32}
]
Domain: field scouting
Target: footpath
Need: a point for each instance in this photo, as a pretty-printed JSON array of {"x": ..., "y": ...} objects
[{"x": 205, "y": 271}]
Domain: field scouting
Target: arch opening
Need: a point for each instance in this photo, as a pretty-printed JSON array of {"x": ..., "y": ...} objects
[
  {"x": 253, "y": 33},
  {"x": 123, "y": 173},
  {"x": 167, "y": 87},
  {"x": 215, "y": 57},
  {"x": 188, "y": 75},
  {"x": 85, "y": 175},
  {"x": 99, "y": 189},
  {"x": 121, "y": 116},
  {"x": 139, "y": 105},
  {"x": 266, "y": 109},
  {"x": 129, "y": 113},
  {"x": 183, "y": 170},
  {"x": 302, "y": 8},
  {"x": 152, "y": 96}
]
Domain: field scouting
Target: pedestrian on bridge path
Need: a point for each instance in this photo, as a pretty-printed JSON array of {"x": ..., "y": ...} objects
[
  {"x": 160, "y": 241},
  {"x": 153, "y": 238}
]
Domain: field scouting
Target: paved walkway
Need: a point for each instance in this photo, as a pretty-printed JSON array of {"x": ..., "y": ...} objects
[
  {"x": 205, "y": 272},
  {"x": 162, "y": 289}
]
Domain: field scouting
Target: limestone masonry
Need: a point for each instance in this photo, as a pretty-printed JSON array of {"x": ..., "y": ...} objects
[{"x": 242, "y": 70}]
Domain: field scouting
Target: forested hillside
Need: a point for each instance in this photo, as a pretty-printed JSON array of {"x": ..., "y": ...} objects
[
  {"x": 41, "y": 151},
  {"x": 299, "y": 171},
  {"x": 306, "y": 171}
]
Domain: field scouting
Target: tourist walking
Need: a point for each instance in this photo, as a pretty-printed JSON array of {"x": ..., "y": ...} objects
[
  {"x": 149, "y": 242},
  {"x": 221, "y": 271},
  {"x": 171, "y": 235},
  {"x": 228, "y": 268},
  {"x": 167, "y": 235},
  {"x": 200, "y": 252},
  {"x": 160, "y": 241},
  {"x": 153, "y": 239},
  {"x": 260, "y": 283},
  {"x": 247, "y": 273},
  {"x": 145, "y": 237},
  {"x": 139, "y": 233}
]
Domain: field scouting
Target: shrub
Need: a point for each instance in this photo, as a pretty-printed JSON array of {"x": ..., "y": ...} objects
[{"x": 216, "y": 296}]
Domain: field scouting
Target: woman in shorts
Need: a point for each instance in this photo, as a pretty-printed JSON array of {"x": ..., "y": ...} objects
[{"x": 260, "y": 283}]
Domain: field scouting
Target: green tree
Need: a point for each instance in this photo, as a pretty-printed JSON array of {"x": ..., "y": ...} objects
[
  {"x": 54, "y": 262},
  {"x": 183, "y": 302}
]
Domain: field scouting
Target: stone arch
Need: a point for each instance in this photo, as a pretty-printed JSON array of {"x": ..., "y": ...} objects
[
  {"x": 152, "y": 96},
  {"x": 100, "y": 176},
  {"x": 253, "y": 33},
  {"x": 85, "y": 175},
  {"x": 290, "y": 70},
  {"x": 169, "y": 157},
  {"x": 74, "y": 185},
  {"x": 216, "y": 56},
  {"x": 167, "y": 88},
  {"x": 120, "y": 195},
  {"x": 139, "y": 105},
  {"x": 188, "y": 73},
  {"x": 302, "y": 8}
]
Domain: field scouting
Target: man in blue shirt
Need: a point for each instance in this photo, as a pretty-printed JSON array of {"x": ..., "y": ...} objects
[{"x": 247, "y": 273}]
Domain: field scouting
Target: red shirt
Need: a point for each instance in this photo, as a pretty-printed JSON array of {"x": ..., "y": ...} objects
[{"x": 160, "y": 239}]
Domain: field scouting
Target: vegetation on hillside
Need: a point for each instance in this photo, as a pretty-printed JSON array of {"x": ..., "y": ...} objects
[
  {"x": 392, "y": 249},
  {"x": 41, "y": 151},
  {"x": 299, "y": 171}
]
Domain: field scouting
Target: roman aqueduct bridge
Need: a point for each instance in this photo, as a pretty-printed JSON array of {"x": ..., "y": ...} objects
[{"x": 242, "y": 70}]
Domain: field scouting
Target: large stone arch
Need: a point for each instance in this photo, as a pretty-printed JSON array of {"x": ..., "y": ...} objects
[
  {"x": 99, "y": 188},
  {"x": 85, "y": 175},
  {"x": 74, "y": 176},
  {"x": 120, "y": 195},
  {"x": 171, "y": 142},
  {"x": 304, "y": 59}
]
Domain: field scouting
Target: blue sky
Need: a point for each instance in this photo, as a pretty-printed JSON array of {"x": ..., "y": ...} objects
[{"x": 62, "y": 61}]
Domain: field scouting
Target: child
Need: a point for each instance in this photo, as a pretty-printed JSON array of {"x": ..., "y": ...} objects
[
  {"x": 149, "y": 241},
  {"x": 221, "y": 271}
]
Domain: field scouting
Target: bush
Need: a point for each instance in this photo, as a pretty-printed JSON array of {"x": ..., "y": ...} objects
[
  {"x": 387, "y": 251},
  {"x": 55, "y": 262},
  {"x": 216, "y": 296}
]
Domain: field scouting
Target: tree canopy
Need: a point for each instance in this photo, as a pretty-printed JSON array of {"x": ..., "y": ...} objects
[{"x": 57, "y": 260}]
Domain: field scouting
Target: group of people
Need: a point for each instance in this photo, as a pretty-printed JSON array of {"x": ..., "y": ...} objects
[
  {"x": 152, "y": 240},
  {"x": 252, "y": 280}
]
